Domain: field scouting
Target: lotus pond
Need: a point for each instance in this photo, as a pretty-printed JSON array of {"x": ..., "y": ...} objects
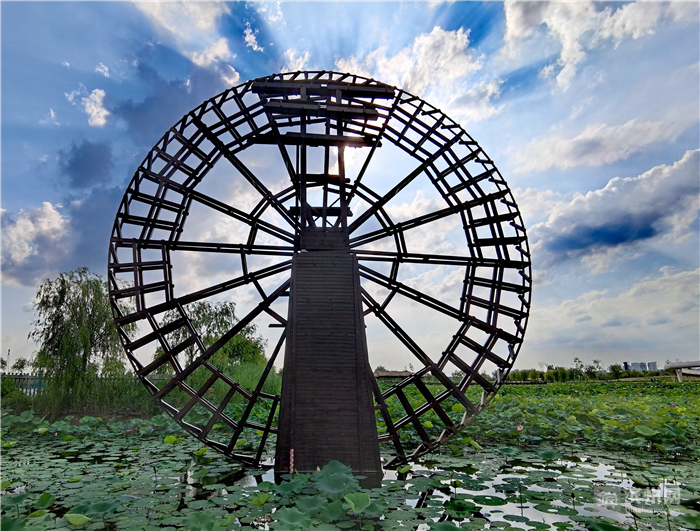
[{"x": 597, "y": 456}]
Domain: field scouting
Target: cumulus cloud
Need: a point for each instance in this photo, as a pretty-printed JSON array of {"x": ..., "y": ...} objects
[
  {"x": 619, "y": 325},
  {"x": 193, "y": 27},
  {"x": 294, "y": 63},
  {"x": 185, "y": 19},
  {"x": 250, "y": 38},
  {"x": 439, "y": 56},
  {"x": 598, "y": 227},
  {"x": 270, "y": 11},
  {"x": 579, "y": 27},
  {"x": 86, "y": 164},
  {"x": 94, "y": 108},
  {"x": 32, "y": 242},
  {"x": 219, "y": 51},
  {"x": 475, "y": 105},
  {"x": 102, "y": 69},
  {"x": 596, "y": 145},
  {"x": 439, "y": 59},
  {"x": 72, "y": 95},
  {"x": 50, "y": 119},
  {"x": 533, "y": 204},
  {"x": 229, "y": 75}
]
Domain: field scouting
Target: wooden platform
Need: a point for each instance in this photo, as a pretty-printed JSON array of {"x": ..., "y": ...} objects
[{"x": 327, "y": 409}]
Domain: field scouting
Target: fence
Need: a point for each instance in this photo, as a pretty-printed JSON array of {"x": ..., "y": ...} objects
[{"x": 31, "y": 384}]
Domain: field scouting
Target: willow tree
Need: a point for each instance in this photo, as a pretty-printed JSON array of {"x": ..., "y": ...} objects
[
  {"x": 212, "y": 320},
  {"x": 74, "y": 329}
]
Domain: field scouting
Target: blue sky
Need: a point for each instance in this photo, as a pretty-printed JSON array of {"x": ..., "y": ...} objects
[{"x": 590, "y": 111}]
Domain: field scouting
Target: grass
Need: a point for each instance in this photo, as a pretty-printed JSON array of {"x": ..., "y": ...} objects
[{"x": 123, "y": 396}]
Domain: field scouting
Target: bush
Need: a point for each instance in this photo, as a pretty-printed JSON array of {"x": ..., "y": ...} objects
[{"x": 7, "y": 387}]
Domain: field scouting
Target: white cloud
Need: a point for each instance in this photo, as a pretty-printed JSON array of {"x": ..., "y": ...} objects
[
  {"x": 596, "y": 145},
  {"x": 578, "y": 27},
  {"x": 659, "y": 207},
  {"x": 250, "y": 38},
  {"x": 32, "y": 242},
  {"x": 94, "y": 108},
  {"x": 270, "y": 11},
  {"x": 230, "y": 76},
  {"x": 638, "y": 322},
  {"x": 102, "y": 69},
  {"x": 294, "y": 63},
  {"x": 50, "y": 119},
  {"x": 533, "y": 203},
  {"x": 72, "y": 95},
  {"x": 475, "y": 104},
  {"x": 185, "y": 20},
  {"x": 430, "y": 237},
  {"x": 66, "y": 64},
  {"x": 218, "y": 51},
  {"x": 436, "y": 57},
  {"x": 193, "y": 27}
]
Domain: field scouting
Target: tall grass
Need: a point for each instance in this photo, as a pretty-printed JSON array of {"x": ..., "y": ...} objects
[
  {"x": 118, "y": 396},
  {"x": 125, "y": 395}
]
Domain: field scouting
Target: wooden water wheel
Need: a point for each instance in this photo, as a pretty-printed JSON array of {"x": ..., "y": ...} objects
[{"x": 325, "y": 249}]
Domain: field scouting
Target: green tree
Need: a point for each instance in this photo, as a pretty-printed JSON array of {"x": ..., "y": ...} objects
[
  {"x": 20, "y": 365},
  {"x": 591, "y": 372},
  {"x": 615, "y": 371},
  {"x": 212, "y": 320},
  {"x": 75, "y": 331},
  {"x": 562, "y": 374}
]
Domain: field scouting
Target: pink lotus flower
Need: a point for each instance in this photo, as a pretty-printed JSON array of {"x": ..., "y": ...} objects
[{"x": 519, "y": 427}]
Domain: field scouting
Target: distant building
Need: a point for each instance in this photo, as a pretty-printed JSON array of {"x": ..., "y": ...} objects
[{"x": 640, "y": 366}]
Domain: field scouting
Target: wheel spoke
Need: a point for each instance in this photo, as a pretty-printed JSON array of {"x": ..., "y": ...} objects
[
  {"x": 429, "y": 218},
  {"x": 222, "y": 287},
  {"x": 413, "y": 347},
  {"x": 365, "y": 165},
  {"x": 235, "y": 329},
  {"x": 202, "y": 247},
  {"x": 244, "y": 217},
  {"x": 400, "y": 186},
  {"x": 435, "y": 304},
  {"x": 247, "y": 174},
  {"x": 437, "y": 259},
  {"x": 256, "y": 394}
]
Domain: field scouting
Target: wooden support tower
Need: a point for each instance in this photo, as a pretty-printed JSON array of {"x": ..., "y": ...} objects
[{"x": 327, "y": 410}]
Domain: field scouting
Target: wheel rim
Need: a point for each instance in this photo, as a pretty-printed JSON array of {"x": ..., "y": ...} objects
[{"x": 489, "y": 312}]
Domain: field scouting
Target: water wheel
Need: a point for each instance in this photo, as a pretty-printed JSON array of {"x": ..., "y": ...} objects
[{"x": 326, "y": 247}]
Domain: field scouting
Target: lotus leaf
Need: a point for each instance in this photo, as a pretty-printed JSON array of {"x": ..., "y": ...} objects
[
  {"x": 77, "y": 519},
  {"x": 292, "y": 518},
  {"x": 260, "y": 499},
  {"x": 489, "y": 500},
  {"x": 310, "y": 504},
  {"x": 443, "y": 526},
  {"x": 358, "y": 501},
  {"x": 332, "y": 512},
  {"x": 199, "y": 521}
]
